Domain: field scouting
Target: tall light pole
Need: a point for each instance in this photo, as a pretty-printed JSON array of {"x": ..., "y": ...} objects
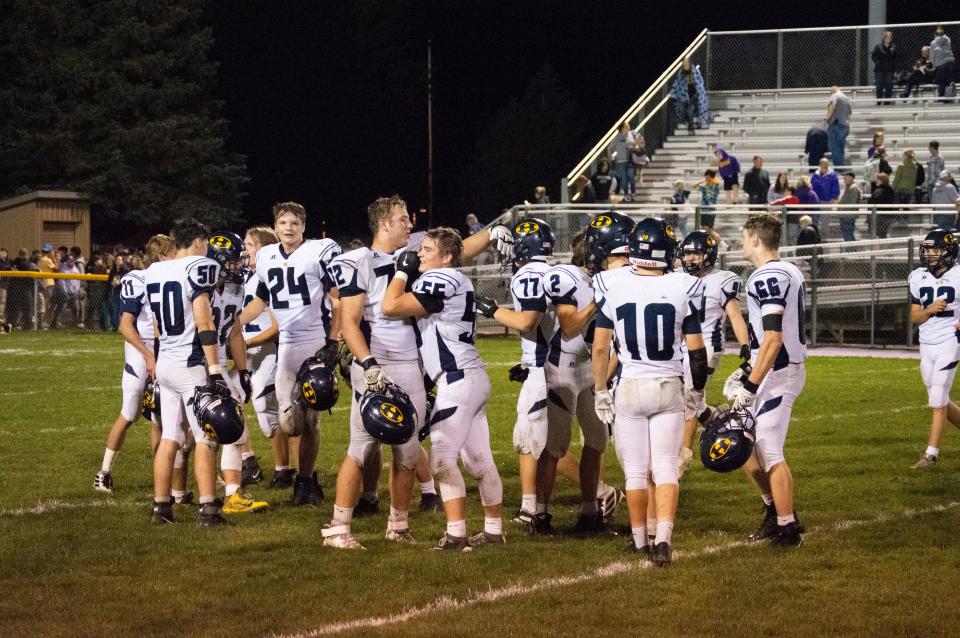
[{"x": 430, "y": 132}]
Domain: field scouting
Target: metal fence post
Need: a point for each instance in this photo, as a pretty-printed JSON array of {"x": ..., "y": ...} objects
[
  {"x": 814, "y": 272},
  {"x": 706, "y": 63},
  {"x": 873, "y": 299},
  {"x": 873, "y": 222},
  {"x": 564, "y": 191},
  {"x": 856, "y": 57},
  {"x": 779, "y": 59},
  {"x": 909, "y": 270},
  {"x": 36, "y": 304}
]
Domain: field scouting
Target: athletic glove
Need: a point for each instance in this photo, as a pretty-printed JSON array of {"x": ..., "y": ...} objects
[
  {"x": 502, "y": 240},
  {"x": 409, "y": 264},
  {"x": 218, "y": 384},
  {"x": 329, "y": 353},
  {"x": 373, "y": 374},
  {"x": 734, "y": 382},
  {"x": 486, "y": 306},
  {"x": 745, "y": 353},
  {"x": 693, "y": 404},
  {"x": 246, "y": 386},
  {"x": 519, "y": 373},
  {"x": 344, "y": 360},
  {"x": 743, "y": 398},
  {"x": 603, "y": 404}
]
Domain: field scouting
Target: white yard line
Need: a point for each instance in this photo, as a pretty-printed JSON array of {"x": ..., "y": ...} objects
[
  {"x": 44, "y": 507},
  {"x": 446, "y": 603}
]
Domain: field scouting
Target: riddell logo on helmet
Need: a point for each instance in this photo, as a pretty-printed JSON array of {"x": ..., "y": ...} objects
[
  {"x": 219, "y": 241},
  {"x": 719, "y": 448},
  {"x": 600, "y": 221},
  {"x": 527, "y": 227},
  {"x": 391, "y": 413}
]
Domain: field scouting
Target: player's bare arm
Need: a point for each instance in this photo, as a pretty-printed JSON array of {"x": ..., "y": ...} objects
[
  {"x": 573, "y": 321},
  {"x": 266, "y": 336},
  {"x": 919, "y": 314},
  {"x": 351, "y": 312},
  {"x": 601, "y": 360},
  {"x": 128, "y": 329},
  {"x": 203, "y": 317},
  {"x": 398, "y": 304}
]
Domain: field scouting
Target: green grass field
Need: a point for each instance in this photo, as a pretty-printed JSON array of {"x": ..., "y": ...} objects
[{"x": 881, "y": 556}]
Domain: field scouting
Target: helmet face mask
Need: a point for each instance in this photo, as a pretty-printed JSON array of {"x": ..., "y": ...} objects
[
  {"x": 532, "y": 238},
  {"x": 607, "y": 234},
  {"x": 938, "y": 250},
  {"x": 699, "y": 242},
  {"x": 226, "y": 248}
]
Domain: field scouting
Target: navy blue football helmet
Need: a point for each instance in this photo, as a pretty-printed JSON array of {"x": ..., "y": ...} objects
[
  {"x": 388, "y": 415},
  {"x": 653, "y": 244},
  {"x": 317, "y": 384},
  {"x": 607, "y": 234},
  {"x": 943, "y": 240},
  {"x": 532, "y": 238},
  {"x": 151, "y": 400},
  {"x": 699, "y": 242},
  {"x": 727, "y": 440},
  {"x": 226, "y": 248},
  {"x": 219, "y": 415}
]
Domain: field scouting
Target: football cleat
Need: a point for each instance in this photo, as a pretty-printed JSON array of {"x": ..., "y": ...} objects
[
  {"x": 926, "y": 462},
  {"x": 250, "y": 472},
  {"x": 431, "y": 503},
  {"x": 661, "y": 554},
  {"x": 283, "y": 479},
  {"x": 162, "y": 513},
  {"x": 486, "y": 538},
  {"x": 683, "y": 463},
  {"x": 210, "y": 516},
  {"x": 448, "y": 543},
  {"x": 541, "y": 524},
  {"x": 642, "y": 552},
  {"x": 366, "y": 507},
  {"x": 523, "y": 518},
  {"x": 186, "y": 499},
  {"x": 768, "y": 527},
  {"x": 608, "y": 503},
  {"x": 339, "y": 537},
  {"x": 788, "y": 536},
  {"x": 307, "y": 490},
  {"x": 238, "y": 503},
  {"x": 589, "y": 524},
  {"x": 401, "y": 536},
  {"x": 103, "y": 482}
]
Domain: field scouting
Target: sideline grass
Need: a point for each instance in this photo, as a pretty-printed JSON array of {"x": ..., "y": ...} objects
[{"x": 90, "y": 564}]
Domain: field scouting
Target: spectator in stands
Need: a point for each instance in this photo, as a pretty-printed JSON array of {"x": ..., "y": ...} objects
[
  {"x": 806, "y": 196},
  {"x": 876, "y": 165},
  {"x": 839, "y": 109},
  {"x": 816, "y": 144},
  {"x": 117, "y": 271},
  {"x": 20, "y": 293},
  {"x": 756, "y": 182},
  {"x": 778, "y": 189},
  {"x": 884, "y": 58},
  {"x": 882, "y": 194},
  {"x": 709, "y": 188},
  {"x": 825, "y": 183},
  {"x": 789, "y": 198},
  {"x": 583, "y": 191},
  {"x": 680, "y": 193},
  {"x": 46, "y": 263},
  {"x": 878, "y": 139},
  {"x": 540, "y": 195},
  {"x": 922, "y": 72},
  {"x": 809, "y": 236},
  {"x": 638, "y": 160},
  {"x": 941, "y": 55},
  {"x": 473, "y": 224},
  {"x": 689, "y": 95},
  {"x": 603, "y": 182},
  {"x": 935, "y": 166},
  {"x": 678, "y": 202},
  {"x": 78, "y": 258},
  {"x": 619, "y": 152},
  {"x": 944, "y": 193},
  {"x": 98, "y": 307},
  {"x": 68, "y": 291},
  {"x": 5, "y": 264},
  {"x": 850, "y": 196},
  {"x": 905, "y": 178},
  {"x": 730, "y": 172}
]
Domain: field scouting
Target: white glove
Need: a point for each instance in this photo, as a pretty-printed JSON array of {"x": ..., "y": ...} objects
[
  {"x": 376, "y": 378},
  {"x": 733, "y": 384},
  {"x": 743, "y": 398},
  {"x": 693, "y": 404},
  {"x": 603, "y": 404},
  {"x": 502, "y": 240}
]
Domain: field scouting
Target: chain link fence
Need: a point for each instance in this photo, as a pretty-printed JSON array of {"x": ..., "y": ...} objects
[
  {"x": 39, "y": 301},
  {"x": 807, "y": 58}
]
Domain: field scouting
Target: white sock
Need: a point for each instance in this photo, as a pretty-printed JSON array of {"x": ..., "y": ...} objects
[
  {"x": 528, "y": 503},
  {"x": 247, "y": 455},
  {"x": 342, "y": 515},
  {"x": 493, "y": 525},
  {"x": 767, "y": 499},
  {"x": 651, "y": 524},
  {"x": 231, "y": 489},
  {"x": 281, "y": 468},
  {"x": 639, "y": 536},
  {"x": 398, "y": 516},
  {"x": 931, "y": 451},
  {"x": 162, "y": 499},
  {"x": 177, "y": 494},
  {"x": 370, "y": 496},
  {"x": 457, "y": 528},
  {"x": 427, "y": 487},
  {"x": 783, "y": 520},
  {"x": 601, "y": 489},
  {"x": 541, "y": 508},
  {"x": 664, "y": 532},
  {"x": 589, "y": 507},
  {"x": 206, "y": 500},
  {"x": 107, "y": 464}
]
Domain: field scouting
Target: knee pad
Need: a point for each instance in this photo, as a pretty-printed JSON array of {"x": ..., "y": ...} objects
[
  {"x": 634, "y": 482},
  {"x": 361, "y": 451},
  {"x": 231, "y": 458},
  {"x": 449, "y": 478},
  {"x": 407, "y": 456},
  {"x": 268, "y": 424},
  {"x": 595, "y": 438},
  {"x": 664, "y": 470},
  {"x": 484, "y": 470}
]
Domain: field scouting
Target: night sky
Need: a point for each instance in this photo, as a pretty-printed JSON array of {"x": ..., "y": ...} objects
[{"x": 328, "y": 99}]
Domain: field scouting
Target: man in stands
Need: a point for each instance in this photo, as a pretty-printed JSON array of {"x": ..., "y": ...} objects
[{"x": 839, "y": 108}]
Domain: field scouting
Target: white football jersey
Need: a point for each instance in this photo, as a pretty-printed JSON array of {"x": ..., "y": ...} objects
[
  {"x": 777, "y": 288},
  {"x": 568, "y": 284},
  {"x": 225, "y": 306},
  {"x": 450, "y": 328},
  {"x": 133, "y": 299},
  {"x": 924, "y": 290},
  {"x": 295, "y": 286},
  {"x": 649, "y": 316},
  {"x": 366, "y": 272},
  {"x": 528, "y": 293},
  {"x": 262, "y": 322},
  {"x": 172, "y": 285},
  {"x": 719, "y": 287}
]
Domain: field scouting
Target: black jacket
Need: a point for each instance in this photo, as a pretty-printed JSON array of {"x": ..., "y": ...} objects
[
  {"x": 756, "y": 183},
  {"x": 884, "y": 58}
]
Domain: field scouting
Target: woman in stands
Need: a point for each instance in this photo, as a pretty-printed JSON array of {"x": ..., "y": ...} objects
[
  {"x": 778, "y": 188},
  {"x": 877, "y": 142}
]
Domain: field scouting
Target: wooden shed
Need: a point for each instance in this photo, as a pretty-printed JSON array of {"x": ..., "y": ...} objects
[{"x": 61, "y": 218}]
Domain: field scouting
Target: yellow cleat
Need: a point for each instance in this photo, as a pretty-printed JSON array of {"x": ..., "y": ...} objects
[{"x": 238, "y": 503}]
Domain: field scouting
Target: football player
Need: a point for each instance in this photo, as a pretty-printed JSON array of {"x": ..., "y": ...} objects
[
  {"x": 533, "y": 243},
  {"x": 260, "y": 336},
  {"x": 226, "y": 248},
  {"x": 442, "y": 300},
  {"x": 179, "y": 293},
  {"x": 293, "y": 282},
  {"x": 647, "y": 310},
  {"x": 721, "y": 299},
  {"x": 136, "y": 326},
  {"x": 775, "y": 303},
  {"x": 934, "y": 307}
]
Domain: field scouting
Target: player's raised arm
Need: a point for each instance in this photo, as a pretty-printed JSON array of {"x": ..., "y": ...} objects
[{"x": 399, "y": 304}]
